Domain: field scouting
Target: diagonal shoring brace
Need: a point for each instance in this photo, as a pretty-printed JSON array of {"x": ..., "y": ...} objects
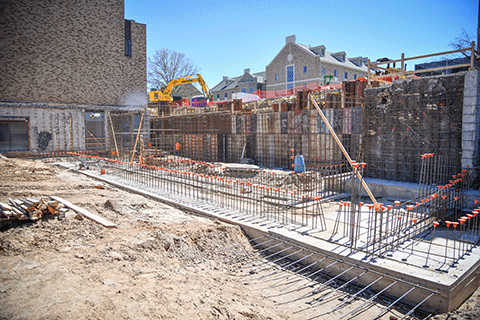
[{"x": 342, "y": 148}]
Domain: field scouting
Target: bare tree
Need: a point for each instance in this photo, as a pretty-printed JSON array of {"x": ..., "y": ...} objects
[
  {"x": 461, "y": 42},
  {"x": 167, "y": 65}
]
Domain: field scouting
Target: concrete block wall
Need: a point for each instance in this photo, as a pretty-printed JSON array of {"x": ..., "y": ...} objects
[
  {"x": 61, "y": 124},
  {"x": 70, "y": 52},
  {"x": 471, "y": 120}
]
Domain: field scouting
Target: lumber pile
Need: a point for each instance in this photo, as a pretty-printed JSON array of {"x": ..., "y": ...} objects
[{"x": 30, "y": 209}]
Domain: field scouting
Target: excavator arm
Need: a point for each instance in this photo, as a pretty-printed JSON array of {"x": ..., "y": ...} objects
[{"x": 166, "y": 94}]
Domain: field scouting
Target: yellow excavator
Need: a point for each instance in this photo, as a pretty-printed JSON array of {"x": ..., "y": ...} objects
[{"x": 166, "y": 94}]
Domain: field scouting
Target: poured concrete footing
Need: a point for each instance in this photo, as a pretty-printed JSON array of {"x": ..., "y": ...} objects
[
  {"x": 450, "y": 289},
  {"x": 431, "y": 290}
]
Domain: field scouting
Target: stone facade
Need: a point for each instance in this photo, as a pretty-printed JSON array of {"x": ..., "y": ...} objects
[
  {"x": 246, "y": 83},
  {"x": 70, "y": 52},
  {"x": 310, "y": 65}
]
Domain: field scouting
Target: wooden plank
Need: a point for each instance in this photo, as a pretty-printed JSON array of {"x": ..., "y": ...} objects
[
  {"x": 342, "y": 148},
  {"x": 375, "y": 64},
  {"x": 5, "y": 206},
  {"x": 85, "y": 213},
  {"x": 453, "y": 66}
]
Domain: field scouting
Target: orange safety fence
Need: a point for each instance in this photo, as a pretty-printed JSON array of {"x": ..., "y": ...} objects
[{"x": 288, "y": 92}]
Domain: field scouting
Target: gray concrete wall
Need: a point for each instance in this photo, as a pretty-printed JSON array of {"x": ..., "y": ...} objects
[
  {"x": 65, "y": 125},
  {"x": 62, "y": 125},
  {"x": 471, "y": 120},
  {"x": 70, "y": 52}
]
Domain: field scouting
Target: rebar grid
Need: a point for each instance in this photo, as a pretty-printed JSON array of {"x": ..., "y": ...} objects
[
  {"x": 380, "y": 229},
  {"x": 309, "y": 276},
  {"x": 270, "y": 195}
]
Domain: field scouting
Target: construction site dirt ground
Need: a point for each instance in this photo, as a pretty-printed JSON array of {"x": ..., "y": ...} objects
[{"x": 158, "y": 263}]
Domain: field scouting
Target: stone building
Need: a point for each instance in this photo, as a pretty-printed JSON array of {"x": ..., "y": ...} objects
[
  {"x": 297, "y": 65},
  {"x": 61, "y": 60},
  {"x": 246, "y": 83}
]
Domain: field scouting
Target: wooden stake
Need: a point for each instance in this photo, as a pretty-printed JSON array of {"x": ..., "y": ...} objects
[
  {"x": 114, "y": 138},
  {"x": 97, "y": 139},
  {"x": 138, "y": 135},
  {"x": 345, "y": 153}
]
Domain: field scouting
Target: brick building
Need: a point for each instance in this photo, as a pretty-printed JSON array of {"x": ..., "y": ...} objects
[
  {"x": 62, "y": 59},
  {"x": 246, "y": 83},
  {"x": 297, "y": 64}
]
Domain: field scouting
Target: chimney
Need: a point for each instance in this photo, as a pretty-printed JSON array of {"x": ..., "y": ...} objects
[
  {"x": 246, "y": 70},
  {"x": 289, "y": 39},
  {"x": 225, "y": 78}
]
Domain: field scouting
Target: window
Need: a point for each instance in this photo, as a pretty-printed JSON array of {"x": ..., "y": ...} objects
[
  {"x": 304, "y": 69},
  {"x": 323, "y": 71},
  {"x": 244, "y": 90},
  {"x": 354, "y": 77},
  {"x": 346, "y": 75},
  {"x": 335, "y": 73},
  {"x": 290, "y": 75},
  {"x": 250, "y": 90},
  {"x": 226, "y": 95},
  {"x": 276, "y": 77},
  {"x": 218, "y": 95},
  {"x": 289, "y": 85},
  {"x": 128, "y": 38}
]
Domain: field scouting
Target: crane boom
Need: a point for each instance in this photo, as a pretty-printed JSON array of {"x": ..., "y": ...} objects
[{"x": 166, "y": 94}]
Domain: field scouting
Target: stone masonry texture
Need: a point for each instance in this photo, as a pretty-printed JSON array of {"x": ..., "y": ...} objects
[
  {"x": 70, "y": 52},
  {"x": 301, "y": 59},
  {"x": 409, "y": 118}
]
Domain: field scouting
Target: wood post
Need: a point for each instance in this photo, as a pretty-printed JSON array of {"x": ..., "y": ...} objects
[
  {"x": 113, "y": 134},
  {"x": 138, "y": 135},
  {"x": 369, "y": 79},
  {"x": 472, "y": 56},
  {"x": 403, "y": 65},
  {"x": 345, "y": 153}
]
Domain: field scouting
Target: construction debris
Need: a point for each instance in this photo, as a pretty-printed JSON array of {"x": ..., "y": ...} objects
[{"x": 30, "y": 209}]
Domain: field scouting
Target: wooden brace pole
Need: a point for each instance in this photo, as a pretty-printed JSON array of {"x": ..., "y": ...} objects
[
  {"x": 138, "y": 135},
  {"x": 113, "y": 134},
  {"x": 91, "y": 134},
  {"x": 345, "y": 153}
]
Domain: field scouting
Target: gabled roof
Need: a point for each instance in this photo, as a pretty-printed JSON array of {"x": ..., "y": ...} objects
[
  {"x": 187, "y": 90},
  {"x": 223, "y": 84},
  {"x": 232, "y": 83},
  {"x": 329, "y": 57}
]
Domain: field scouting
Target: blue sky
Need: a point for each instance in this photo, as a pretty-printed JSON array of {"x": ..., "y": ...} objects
[{"x": 225, "y": 37}]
